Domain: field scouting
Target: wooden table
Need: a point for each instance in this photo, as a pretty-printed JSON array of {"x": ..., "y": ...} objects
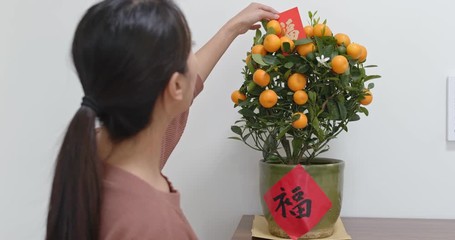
[{"x": 377, "y": 229}]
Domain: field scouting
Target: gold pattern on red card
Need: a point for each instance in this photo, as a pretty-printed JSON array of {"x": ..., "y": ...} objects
[{"x": 292, "y": 25}]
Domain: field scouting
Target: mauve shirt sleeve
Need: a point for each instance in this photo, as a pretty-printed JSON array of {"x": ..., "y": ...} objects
[{"x": 175, "y": 129}]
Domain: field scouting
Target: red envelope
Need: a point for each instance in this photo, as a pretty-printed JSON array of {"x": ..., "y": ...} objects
[
  {"x": 291, "y": 23},
  {"x": 297, "y": 203}
]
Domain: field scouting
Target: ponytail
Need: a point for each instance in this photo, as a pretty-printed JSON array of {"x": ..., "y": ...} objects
[
  {"x": 124, "y": 53},
  {"x": 74, "y": 208}
]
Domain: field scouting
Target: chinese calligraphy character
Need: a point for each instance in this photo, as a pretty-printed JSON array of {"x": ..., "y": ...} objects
[
  {"x": 290, "y": 30},
  {"x": 283, "y": 202},
  {"x": 302, "y": 207}
]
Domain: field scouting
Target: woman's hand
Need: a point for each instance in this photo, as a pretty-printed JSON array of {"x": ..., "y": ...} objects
[{"x": 247, "y": 18}]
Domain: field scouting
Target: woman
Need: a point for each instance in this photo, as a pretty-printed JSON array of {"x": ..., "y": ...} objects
[{"x": 139, "y": 77}]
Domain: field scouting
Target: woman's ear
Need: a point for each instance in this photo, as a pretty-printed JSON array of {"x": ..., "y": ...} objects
[{"x": 174, "y": 88}]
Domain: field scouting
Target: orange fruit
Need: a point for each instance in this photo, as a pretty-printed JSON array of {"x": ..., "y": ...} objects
[
  {"x": 268, "y": 98},
  {"x": 272, "y": 43},
  {"x": 297, "y": 81},
  {"x": 304, "y": 49},
  {"x": 367, "y": 99},
  {"x": 354, "y": 50},
  {"x": 236, "y": 96},
  {"x": 342, "y": 39},
  {"x": 288, "y": 40},
  {"x": 320, "y": 30},
  {"x": 275, "y": 25},
  {"x": 309, "y": 31},
  {"x": 300, "y": 97},
  {"x": 258, "y": 49},
  {"x": 363, "y": 55},
  {"x": 340, "y": 64},
  {"x": 261, "y": 78},
  {"x": 300, "y": 123}
]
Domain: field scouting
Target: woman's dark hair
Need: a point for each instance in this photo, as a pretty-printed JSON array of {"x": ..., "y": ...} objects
[{"x": 124, "y": 51}]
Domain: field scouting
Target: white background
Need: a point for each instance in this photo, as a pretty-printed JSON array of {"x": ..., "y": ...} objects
[{"x": 398, "y": 162}]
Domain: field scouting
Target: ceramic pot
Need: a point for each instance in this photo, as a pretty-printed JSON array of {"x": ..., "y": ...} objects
[{"x": 327, "y": 173}]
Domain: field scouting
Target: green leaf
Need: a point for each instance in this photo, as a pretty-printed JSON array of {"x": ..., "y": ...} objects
[
  {"x": 327, "y": 52},
  {"x": 264, "y": 24},
  {"x": 270, "y": 60},
  {"x": 296, "y": 146},
  {"x": 250, "y": 66},
  {"x": 362, "y": 72},
  {"x": 341, "y": 99},
  {"x": 344, "y": 127},
  {"x": 289, "y": 65},
  {"x": 247, "y": 112},
  {"x": 310, "y": 57},
  {"x": 235, "y": 138},
  {"x": 258, "y": 58},
  {"x": 333, "y": 110},
  {"x": 237, "y": 130},
  {"x": 352, "y": 119},
  {"x": 295, "y": 117},
  {"x": 243, "y": 103},
  {"x": 270, "y": 30},
  {"x": 280, "y": 56},
  {"x": 344, "y": 80},
  {"x": 343, "y": 110},
  {"x": 283, "y": 132},
  {"x": 251, "y": 86},
  {"x": 277, "y": 89},
  {"x": 257, "y": 37},
  {"x": 368, "y": 78},
  {"x": 319, "y": 132},
  {"x": 370, "y": 85},
  {"x": 303, "y": 41},
  {"x": 312, "y": 96},
  {"x": 319, "y": 43},
  {"x": 272, "y": 159},
  {"x": 364, "y": 111},
  {"x": 370, "y": 66},
  {"x": 324, "y": 115},
  {"x": 286, "y": 47},
  {"x": 355, "y": 73},
  {"x": 303, "y": 68},
  {"x": 287, "y": 74}
]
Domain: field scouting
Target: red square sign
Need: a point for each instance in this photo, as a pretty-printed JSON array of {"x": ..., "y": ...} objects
[
  {"x": 297, "y": 203},
  {"x": 292, "y": 25}
]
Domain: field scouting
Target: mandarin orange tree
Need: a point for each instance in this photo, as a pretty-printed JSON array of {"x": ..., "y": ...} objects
[{"x": 300, "y": 94}]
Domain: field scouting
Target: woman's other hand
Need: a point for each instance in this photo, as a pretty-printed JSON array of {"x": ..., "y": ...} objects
[{"x": 248, "y": 18}]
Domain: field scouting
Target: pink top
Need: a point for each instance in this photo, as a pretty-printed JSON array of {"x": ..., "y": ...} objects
[
  {"x": 176, "y": 127},
  {"x": 133, "y": 209}
]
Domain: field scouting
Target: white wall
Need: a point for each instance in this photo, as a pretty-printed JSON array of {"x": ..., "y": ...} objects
[{"x": 398, "y": 163}]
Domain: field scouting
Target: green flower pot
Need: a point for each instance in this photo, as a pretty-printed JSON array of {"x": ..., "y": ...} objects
[{"x": 328, "y": 174}]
